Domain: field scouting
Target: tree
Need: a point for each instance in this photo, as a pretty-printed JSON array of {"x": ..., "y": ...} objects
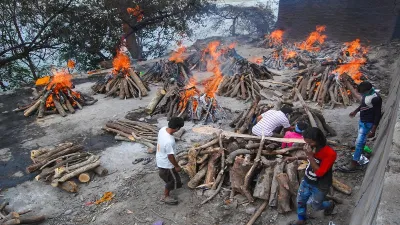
[{"x": 257, "y": 19}]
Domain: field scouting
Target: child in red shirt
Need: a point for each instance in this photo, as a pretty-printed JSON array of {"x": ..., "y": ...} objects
[{"x": 318, "y": 176}]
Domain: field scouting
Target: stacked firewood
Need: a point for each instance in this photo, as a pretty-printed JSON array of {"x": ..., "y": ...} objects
[
  {"x": 10, "y": 217},
  {"x": 240, "y": 158},
  {"x": 321, "y": 85},
  {"x": 134, "y": 131},
  {"x": 241, "y": 86},
  {"x": 188, "y": 103},
  {"x": 56, "y": 99},
  {"x": 124, "y": 83},
  {"x": 62, "y": 163},
  {"x": 165, "y": 70},
  {"x": 244, "y": 121}
]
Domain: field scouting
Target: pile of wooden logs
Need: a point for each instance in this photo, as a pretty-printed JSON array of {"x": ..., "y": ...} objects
[
  {"x": 124, "y": 83},
  {"x": 186, "y": 102},
  {"x": 56, "y": 99},
  {"x": 243, "y": 86},
  {"x": 61, "y": 164},
  {"x": 10, "y": 217},
  {"x": 240, "y": 159},
  {"x": 243, "y": 122},
  {"x": 321, "y": 85},
  {"x": 134, "y": 131},
  {"x": 165, "y": 70}
]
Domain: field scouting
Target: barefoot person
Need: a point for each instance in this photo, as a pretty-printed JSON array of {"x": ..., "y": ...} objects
[
  {"x": 167, "y": 165},
  {"x": 269, "y": 121},
  {"x": 318, "y": 176},
  {"x": 370, "y": 115}
]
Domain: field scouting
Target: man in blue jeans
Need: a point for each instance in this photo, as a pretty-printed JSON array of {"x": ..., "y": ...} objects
[{"x": 370, "y": 115}]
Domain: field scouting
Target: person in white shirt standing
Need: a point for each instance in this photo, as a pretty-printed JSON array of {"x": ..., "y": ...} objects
[
  {"x": 165, "y": 158},
  {"x": 272, "y": 119}
]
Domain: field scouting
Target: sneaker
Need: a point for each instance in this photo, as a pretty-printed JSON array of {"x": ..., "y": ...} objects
[
  {"x": 170, "y": 201},
  {"x": 329, "y": 210},
  {"x": 348, "y": 169}
]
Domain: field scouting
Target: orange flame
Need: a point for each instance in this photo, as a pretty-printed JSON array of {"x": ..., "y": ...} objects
[
  {"x": 189, "y": 92},
  {"x": 177, "y": 56},
  {"x": 316, "y": 37},
  {"x": 61, "y": 78},
  {"x": 232, "y": 45},
  {"x": 121, "y": 62},
  {"x": 257, "y": 60},
  {"x": 355, "y": 48},
  {"x": 275, "y": 38},
  {"x": 352, "y": 69},
  {"x": 213, "y": 65},
  {"x": 136, "y": 12},
  {"x": 288, "y": 54},
  {"x": 71, "y": 64}
]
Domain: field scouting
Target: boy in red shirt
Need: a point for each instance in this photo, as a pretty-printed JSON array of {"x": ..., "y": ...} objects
[{"x": 318, "y": 176}]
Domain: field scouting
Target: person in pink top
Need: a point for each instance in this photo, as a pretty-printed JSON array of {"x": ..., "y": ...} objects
[{"x": 298, "y": 133}]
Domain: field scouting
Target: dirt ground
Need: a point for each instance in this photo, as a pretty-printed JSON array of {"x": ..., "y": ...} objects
[{"x": 137, "y": 187}]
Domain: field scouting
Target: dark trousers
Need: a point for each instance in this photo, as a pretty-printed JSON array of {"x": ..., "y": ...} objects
[{"x": 171, "y": 178}]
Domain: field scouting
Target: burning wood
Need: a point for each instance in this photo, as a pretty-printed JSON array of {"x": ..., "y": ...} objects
[
  {"x": 244, "y": 86},
  {"x": 165, "y": 70},
  {"x": 57, "y": 97},
  {"x": 63, "y": 162},
  {"x": 134, "y": 131},
  {"x": 188, "y": 103},
  {"x": 123, "y": 81},
  {"x": 9, "y": 216}
]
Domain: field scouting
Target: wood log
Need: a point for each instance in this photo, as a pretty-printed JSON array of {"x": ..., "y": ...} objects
[
  {"x": 12, "y": 222},
  {"x": 242, "y": 87},
  {"x": 220, "y": 176},
  {"x": 353, "y": 91},
  {"x": 100, "y": 171},
  {"x": 91, "y": 159},
  {"x": 263, "y": 186},
  {"x": 249, "y": 175},
  {"x": 237, "y": 173},
  {"x": 278, "y": 169},
  {"x": 232, "y": 156},
  {"x": 43, "y": 159},
  {"x": 138, "y": 82},
  {"x": 258, "y": 213},
  {"x": 11, "y": 215},
  {"x": 196, "y": 179},
  {"x": 154, "y": 102},
  {"x": 206, "y": 145},
  {"x": 68, "y": 176},
  {"x": 310, "y": 117},
  {"x": 284, "y": 194},
  {"x": 47, "y": 171},
  {"x": 191, "y": 166},
  {"x": 178, "y": 135},
  {"x": 345, "y": 97},
  {"x": 236, "y": 120},
  {"x": 69, "y": 186},
  {"x": 32, "y": 109},
  {"x": 58, "y": 106},
  {"x": 291, "y": 171},
  {"x": 250, "y": 116},
  {"x": 85, "y": 177},
  {"x": 32, "y": 219},
  {"x": 211, "y": 169},
  {"x": 340, "y": 186}
]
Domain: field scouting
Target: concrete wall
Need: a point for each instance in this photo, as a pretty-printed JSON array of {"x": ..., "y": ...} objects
[{"x": 370, "y": 20}]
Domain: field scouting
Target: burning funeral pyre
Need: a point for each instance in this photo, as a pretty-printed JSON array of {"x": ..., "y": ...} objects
[
  {"x": 57, "y": 97},
  {"x": 174, "y": 68},
  {"x": 123, "y": 81}
]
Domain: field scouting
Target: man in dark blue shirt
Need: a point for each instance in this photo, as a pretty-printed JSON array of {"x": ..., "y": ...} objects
[{"x": 370, "y": 115}]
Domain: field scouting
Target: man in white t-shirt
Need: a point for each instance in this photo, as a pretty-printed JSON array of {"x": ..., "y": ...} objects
[
  {"x": 272, "y": 119},
  {"x": 165, "y": 157}
]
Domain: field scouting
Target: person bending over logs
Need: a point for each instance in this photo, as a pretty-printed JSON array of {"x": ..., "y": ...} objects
[
  {"x": 165, "y": 157},
  {"x": 272, "y": 120},
  {"x": 318, "y": 175}
]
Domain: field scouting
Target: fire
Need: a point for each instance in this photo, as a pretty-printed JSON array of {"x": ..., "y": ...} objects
[
  {"x": 354, "y": 48},
  {"x": 121, "y": 62},
  {"x": 348, "y": 92},
  {"x": 49, "y": 101},
  {"x": 316, "y": 37},
  {"x": 60, "y": 79},
  {"x": 257, "y": 60},
  {"x": 189, "y": 92},
  {"x": 318, "y": 83},
  {"x": 352, "y": 69},
  {"x": 275, "y": 38},
  {"x": 213, "y": 65},
  {"x": 136, "y": 12},
  {"x": 232, "y": 45},
  {"x": 288, "y": 54},
  {"x": 71, "y": 64},
  {"x": 177, "y": 55}
]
